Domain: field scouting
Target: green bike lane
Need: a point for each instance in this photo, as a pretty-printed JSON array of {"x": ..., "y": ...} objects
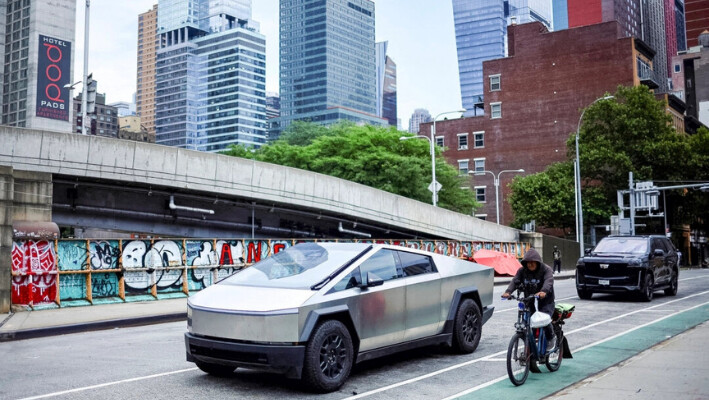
[{"x": 594, "y": 358}]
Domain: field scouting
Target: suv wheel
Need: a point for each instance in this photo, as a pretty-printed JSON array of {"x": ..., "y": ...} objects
[
  {"x": 649, "y": 288},
  {"x": 328, "y": 357},
  {"x": 584, "y": 294},
  {"x": 672, "y": 290}
]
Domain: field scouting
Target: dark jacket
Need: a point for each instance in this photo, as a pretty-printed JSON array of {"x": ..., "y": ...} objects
[{"x": 541, "y": 280}]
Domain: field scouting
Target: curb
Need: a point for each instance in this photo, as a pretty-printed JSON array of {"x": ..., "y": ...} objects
[{"x": 91, "y": 326}]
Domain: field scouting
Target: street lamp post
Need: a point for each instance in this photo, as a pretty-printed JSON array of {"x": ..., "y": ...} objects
[
  {"x": 433, "y": 152},
  {"x": 84, "y": 95},
  {"x": 577, "y": 180},
  {"x": 496, "y": 181}
]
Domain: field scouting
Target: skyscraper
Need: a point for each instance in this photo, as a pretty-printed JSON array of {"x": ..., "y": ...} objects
[
  {"x": 481, "y": 35},
  {"x": 643, "y": 19},
  {"x": 210, "y": 76},
  {"x": 560, "y": 14},
  {"x": 386, "y": 84},
  {"x": 148, "y": 45},
  {"x": 418, "y": 117},
  {"x": 680, "y": 26},
  {"x": 327, "y": 62},
  {"x": 37, "y": 58}
]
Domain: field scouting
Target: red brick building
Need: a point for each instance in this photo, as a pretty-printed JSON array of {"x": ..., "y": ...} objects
[
  {"x": 696, "y": 13},
  {"x": 533, "y": 101}
]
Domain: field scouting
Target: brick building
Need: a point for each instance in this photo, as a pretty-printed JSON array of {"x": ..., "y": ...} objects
[{"x": 533, "y": 101}]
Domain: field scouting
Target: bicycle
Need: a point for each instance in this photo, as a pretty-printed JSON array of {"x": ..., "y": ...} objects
[{"x": 528, "y": 345}]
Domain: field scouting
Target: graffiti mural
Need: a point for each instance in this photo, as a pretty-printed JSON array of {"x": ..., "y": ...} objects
[
  {"x": 200, "y": 253},
  {"x": 34, "y": 272},
  {"x": 81, "y": 271},
  {"x": 71, "y": 255},
  {"x": 104, "y": 254},
  {"x": 256, "y": 250},
  {"x": 104, "y": 285},
  {"x": 230, "y": 252},
  {"x": 150, "y": 261}
]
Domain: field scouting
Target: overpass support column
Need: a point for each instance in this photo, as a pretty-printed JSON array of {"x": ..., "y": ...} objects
[
  {"x": 24, "y": 196},
  {"x": 6, "y": 202}
]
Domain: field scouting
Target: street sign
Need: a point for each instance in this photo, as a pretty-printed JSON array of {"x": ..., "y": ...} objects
[{"x": 438, "y": 187}]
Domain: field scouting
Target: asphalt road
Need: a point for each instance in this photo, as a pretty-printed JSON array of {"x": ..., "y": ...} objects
[{"x": 149, "y": 361}]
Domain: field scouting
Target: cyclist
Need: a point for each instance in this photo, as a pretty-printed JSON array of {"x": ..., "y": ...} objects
[{"x": 536, "y": 278}]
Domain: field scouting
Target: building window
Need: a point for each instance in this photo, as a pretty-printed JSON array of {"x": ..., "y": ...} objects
[
  {"x": 495, "y": 83},
  {"x": 462, "y": 141},
  {"x": 678, "y": 68},
  {"x": 479, "y": 138},
  {"x": 495, "y": 110},
  {"x": 439, "y": 141},
  {"x": 480, "y": 194},
  {"x": 463, "y": 167},
  {"x": 479, "y": 165}
]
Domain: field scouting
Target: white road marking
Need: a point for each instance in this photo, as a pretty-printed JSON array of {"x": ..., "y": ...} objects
[
  {"x": 492, "y": 356},
  {"x": 486, "y": 384},
  {"x": 81, "y": 389}
]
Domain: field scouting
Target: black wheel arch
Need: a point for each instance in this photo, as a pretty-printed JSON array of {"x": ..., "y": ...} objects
[
  {"x": 340, "y": 313},
  {"x": 470, "y": 292}
]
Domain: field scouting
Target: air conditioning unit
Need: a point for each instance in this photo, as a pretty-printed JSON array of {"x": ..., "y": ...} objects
[{"x": 464, "y": 147}]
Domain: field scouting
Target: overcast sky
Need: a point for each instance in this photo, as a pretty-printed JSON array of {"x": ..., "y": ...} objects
[{"x": 420, "y": 34}]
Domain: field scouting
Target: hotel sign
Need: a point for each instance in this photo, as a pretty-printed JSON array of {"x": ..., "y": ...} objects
[{"x": 53, "y": 72}]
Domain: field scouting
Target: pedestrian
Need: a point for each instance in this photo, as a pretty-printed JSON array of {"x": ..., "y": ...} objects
[{"x": 557, "y": 259}]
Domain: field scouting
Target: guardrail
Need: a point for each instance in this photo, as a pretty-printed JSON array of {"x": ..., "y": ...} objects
[{"x": 72, "y": 272}]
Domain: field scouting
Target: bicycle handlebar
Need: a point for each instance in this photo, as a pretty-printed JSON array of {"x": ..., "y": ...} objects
[{"x": 519, "y": 298}]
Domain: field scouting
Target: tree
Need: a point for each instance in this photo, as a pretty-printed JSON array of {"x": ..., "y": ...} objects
[
  {"x": 545, "y": 197},
  {"x": 372, "y": 156},
  {"x": 629, "y": 133}
]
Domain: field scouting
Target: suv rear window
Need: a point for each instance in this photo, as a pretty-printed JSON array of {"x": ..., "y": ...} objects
[{"x": 628, "y": 245}]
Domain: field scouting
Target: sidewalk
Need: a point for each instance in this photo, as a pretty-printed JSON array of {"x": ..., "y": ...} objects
[
  {"x": 60, "y": 321},
  {"x": 668, "y": 370}
]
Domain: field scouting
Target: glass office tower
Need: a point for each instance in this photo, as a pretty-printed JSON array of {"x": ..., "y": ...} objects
[
  {"x": 211, "y": 75},
  {"x": 327, "y": 62},
  {"x": 481, "y": 35}
]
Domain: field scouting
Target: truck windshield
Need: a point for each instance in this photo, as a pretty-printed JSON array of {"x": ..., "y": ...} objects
[
  {"x": 622, "y": 245},
  {"x": 297, "y": 267}
]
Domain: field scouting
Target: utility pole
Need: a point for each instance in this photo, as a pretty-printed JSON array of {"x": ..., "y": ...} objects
[{"x": 84, "y": 106}]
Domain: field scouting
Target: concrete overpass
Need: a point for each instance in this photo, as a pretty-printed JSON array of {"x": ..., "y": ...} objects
[{"x": 126, "y": 186}]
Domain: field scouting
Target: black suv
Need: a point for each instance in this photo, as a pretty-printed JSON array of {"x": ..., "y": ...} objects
[{"x": 618, "y": 264}]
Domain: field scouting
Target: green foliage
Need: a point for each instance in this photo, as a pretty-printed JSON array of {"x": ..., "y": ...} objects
[
  {"x": 631, "y": 132},
  {"x": 372, "y": 156},
  {"x": 546, "y": 197}
]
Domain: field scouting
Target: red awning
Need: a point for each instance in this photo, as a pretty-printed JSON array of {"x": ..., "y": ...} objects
[{"x": 503, "y": 263}]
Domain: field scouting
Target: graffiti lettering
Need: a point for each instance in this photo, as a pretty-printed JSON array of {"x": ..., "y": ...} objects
[{"x": 104, "y": 255}]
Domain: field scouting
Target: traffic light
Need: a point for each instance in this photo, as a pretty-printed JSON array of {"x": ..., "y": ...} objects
[{"x": 91, "y": 85}]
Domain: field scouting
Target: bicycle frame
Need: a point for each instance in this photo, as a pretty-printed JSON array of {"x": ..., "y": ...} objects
[{"x": 522, "y": 326}]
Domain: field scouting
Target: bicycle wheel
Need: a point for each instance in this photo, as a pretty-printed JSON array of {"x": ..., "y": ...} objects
[
  {"x": 553, "y": 361},
  {"x": 518, "y": 354}
]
